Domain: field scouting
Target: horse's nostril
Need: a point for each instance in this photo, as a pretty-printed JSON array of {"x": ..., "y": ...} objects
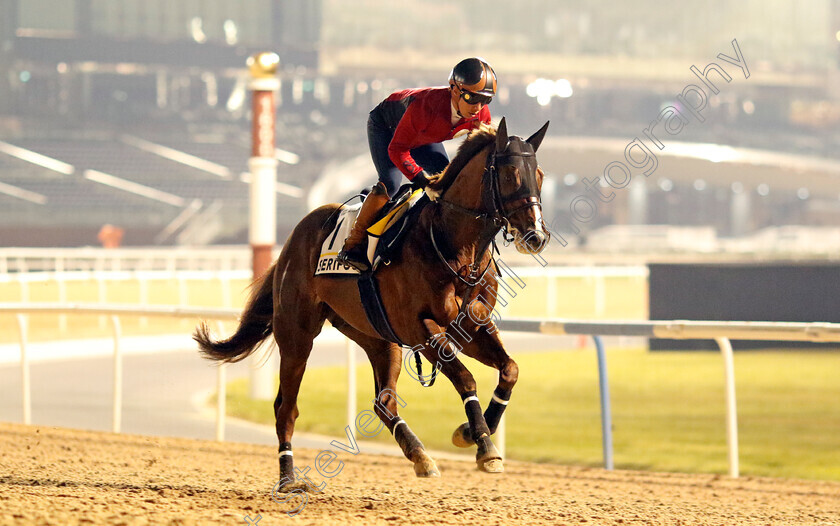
[
  {"x": 539, "y": 238},
  {"x": 533, "y": 242}
]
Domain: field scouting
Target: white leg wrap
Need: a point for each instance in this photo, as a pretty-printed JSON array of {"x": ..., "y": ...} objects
[
  {"x": 499, "y": 400},
  {"x": 467, "y": 399}
]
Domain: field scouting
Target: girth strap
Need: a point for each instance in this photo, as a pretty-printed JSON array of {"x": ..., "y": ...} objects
[
  {"x": 378, "y": 318},
  {"x": 374, "y": 309}
]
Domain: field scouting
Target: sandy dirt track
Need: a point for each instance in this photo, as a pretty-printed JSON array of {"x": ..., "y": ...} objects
[{"x": 64, "y": 477}]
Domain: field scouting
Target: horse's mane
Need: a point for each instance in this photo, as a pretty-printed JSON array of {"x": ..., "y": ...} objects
[{"x": 476, "y": 141}]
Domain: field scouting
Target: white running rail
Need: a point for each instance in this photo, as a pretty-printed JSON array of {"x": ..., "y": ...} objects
[{"x": 20, "y": 310}]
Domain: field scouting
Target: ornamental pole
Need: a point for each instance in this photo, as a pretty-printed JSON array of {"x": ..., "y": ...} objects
[{"x": 262, "y": 231}]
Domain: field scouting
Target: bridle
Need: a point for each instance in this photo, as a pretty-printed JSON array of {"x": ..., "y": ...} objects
[
  {"x": 500, "y": 210},
  {"x": 522, "y": 198}
]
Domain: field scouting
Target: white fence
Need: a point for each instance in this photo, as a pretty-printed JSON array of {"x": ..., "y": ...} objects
[
  {"x": 29, "y": 266},
  {"x": 811, "y": 241},
  {"x": 721, "y": 332},
  {"x": 21, "y": 260},
  {"x": 115, "y": 311}
]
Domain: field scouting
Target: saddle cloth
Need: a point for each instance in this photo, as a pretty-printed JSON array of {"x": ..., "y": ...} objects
[
  {"x": 383, "y": 236},
  {"x": 328, "y": 259}
]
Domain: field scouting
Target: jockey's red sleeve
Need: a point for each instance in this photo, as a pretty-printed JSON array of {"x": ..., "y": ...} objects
[
  {"x": 427, "y": 119},
  {"x": 484, "y": 115},
  {"x": 405, "y": 137}
]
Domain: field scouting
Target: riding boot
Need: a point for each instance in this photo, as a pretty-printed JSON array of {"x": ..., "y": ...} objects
[{"x": 354, "y": 252}]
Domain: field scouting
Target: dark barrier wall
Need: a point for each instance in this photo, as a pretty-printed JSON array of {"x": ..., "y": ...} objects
[{"x": 795, "y": 291}]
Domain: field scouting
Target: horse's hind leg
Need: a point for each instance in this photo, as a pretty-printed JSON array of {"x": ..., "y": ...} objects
[
  {"x": 386, "y": 360},
  {"x": 488, "y": 349},
  {"x": 294, "y": 334}
]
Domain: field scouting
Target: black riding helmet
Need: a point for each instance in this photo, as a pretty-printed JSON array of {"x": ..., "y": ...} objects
[{"x": 474, "y": 77}]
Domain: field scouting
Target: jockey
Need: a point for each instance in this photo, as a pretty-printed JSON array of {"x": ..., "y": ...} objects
[{"x": 405, "y": 132}]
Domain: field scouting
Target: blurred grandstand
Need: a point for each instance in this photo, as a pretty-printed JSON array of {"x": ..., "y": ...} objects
[{"x": 135, "y": 113}]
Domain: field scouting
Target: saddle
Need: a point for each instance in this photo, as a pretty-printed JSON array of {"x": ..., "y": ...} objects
[{"x": 385, "y": 236}]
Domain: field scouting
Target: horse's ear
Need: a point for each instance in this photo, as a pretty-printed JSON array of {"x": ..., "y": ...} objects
[
  {"x": 501, "y": 136},
  {"x": 536, "y": 139}
]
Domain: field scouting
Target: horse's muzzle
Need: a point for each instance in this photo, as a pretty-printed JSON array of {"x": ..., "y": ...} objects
[{"x": 533, "y": 242}]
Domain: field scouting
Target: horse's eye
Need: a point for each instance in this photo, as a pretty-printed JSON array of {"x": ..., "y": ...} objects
[
  {"x": 512, "y": 177},
  {"x": 509, "y": 179}
]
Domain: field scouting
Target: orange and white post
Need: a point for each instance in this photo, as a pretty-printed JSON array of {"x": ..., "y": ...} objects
[{"x": 262, "y": 231}]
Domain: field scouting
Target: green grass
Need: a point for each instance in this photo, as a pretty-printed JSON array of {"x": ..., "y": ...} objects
[{"x": 668, "y": 410}]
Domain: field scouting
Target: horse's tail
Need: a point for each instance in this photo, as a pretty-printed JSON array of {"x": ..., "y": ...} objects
[{"x": 254, "y": 325}]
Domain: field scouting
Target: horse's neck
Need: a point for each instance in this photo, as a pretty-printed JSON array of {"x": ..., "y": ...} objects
[
  {"x": 465, "y": 191},
  {"x": 465, "y": 234}
]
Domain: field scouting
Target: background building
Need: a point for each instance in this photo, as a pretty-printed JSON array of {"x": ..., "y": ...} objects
[{"x": 143, "y": 104}]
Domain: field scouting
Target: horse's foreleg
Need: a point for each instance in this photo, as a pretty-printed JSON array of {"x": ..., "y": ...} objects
[
  {"x": 385, "y": 406},
  {"x": 487, "y": 348},
  {"x": 501, "y": 396},
  {"x": 441, "y": 353}
]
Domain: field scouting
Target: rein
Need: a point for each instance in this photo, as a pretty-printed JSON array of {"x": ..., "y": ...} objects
[{"x": 473, "y": 268}]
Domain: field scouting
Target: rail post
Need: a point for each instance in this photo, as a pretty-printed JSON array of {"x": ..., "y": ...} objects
[
  {"x": 26, "y": 396},
  {"x": 731, "y": 408},
  {"x": 501, "y": 436},
  {"x": 118, "y": 373},
  {"x": 606, "y": 410}
]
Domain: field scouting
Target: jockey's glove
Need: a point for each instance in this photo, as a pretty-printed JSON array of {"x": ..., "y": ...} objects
[{"x": 421, "y": 180}]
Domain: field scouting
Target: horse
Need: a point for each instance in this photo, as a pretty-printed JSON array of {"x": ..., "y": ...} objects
[{"x": 431, "y": 285}]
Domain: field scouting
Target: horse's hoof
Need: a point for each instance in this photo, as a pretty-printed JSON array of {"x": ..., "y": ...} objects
[
  {"x": 425, "y": 467},
  {"x": 461, "y": 437},
  {"x": 285, "y": 486},
  {"x": 493, "y": 465}
]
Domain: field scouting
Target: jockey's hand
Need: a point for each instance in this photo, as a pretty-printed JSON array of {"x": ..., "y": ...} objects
[{"x": 422, "y": 180}]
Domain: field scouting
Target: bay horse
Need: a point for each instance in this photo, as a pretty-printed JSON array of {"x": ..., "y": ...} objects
[{"x": 492, "y": 184}]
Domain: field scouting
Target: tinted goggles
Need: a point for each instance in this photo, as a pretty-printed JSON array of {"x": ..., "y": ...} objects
[{"x": 475, "y": 98}]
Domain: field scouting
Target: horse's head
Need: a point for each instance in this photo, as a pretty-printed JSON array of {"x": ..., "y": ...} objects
[
  {"x": 516, "y": 181},
  {"x": 495, "y": 179}
]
